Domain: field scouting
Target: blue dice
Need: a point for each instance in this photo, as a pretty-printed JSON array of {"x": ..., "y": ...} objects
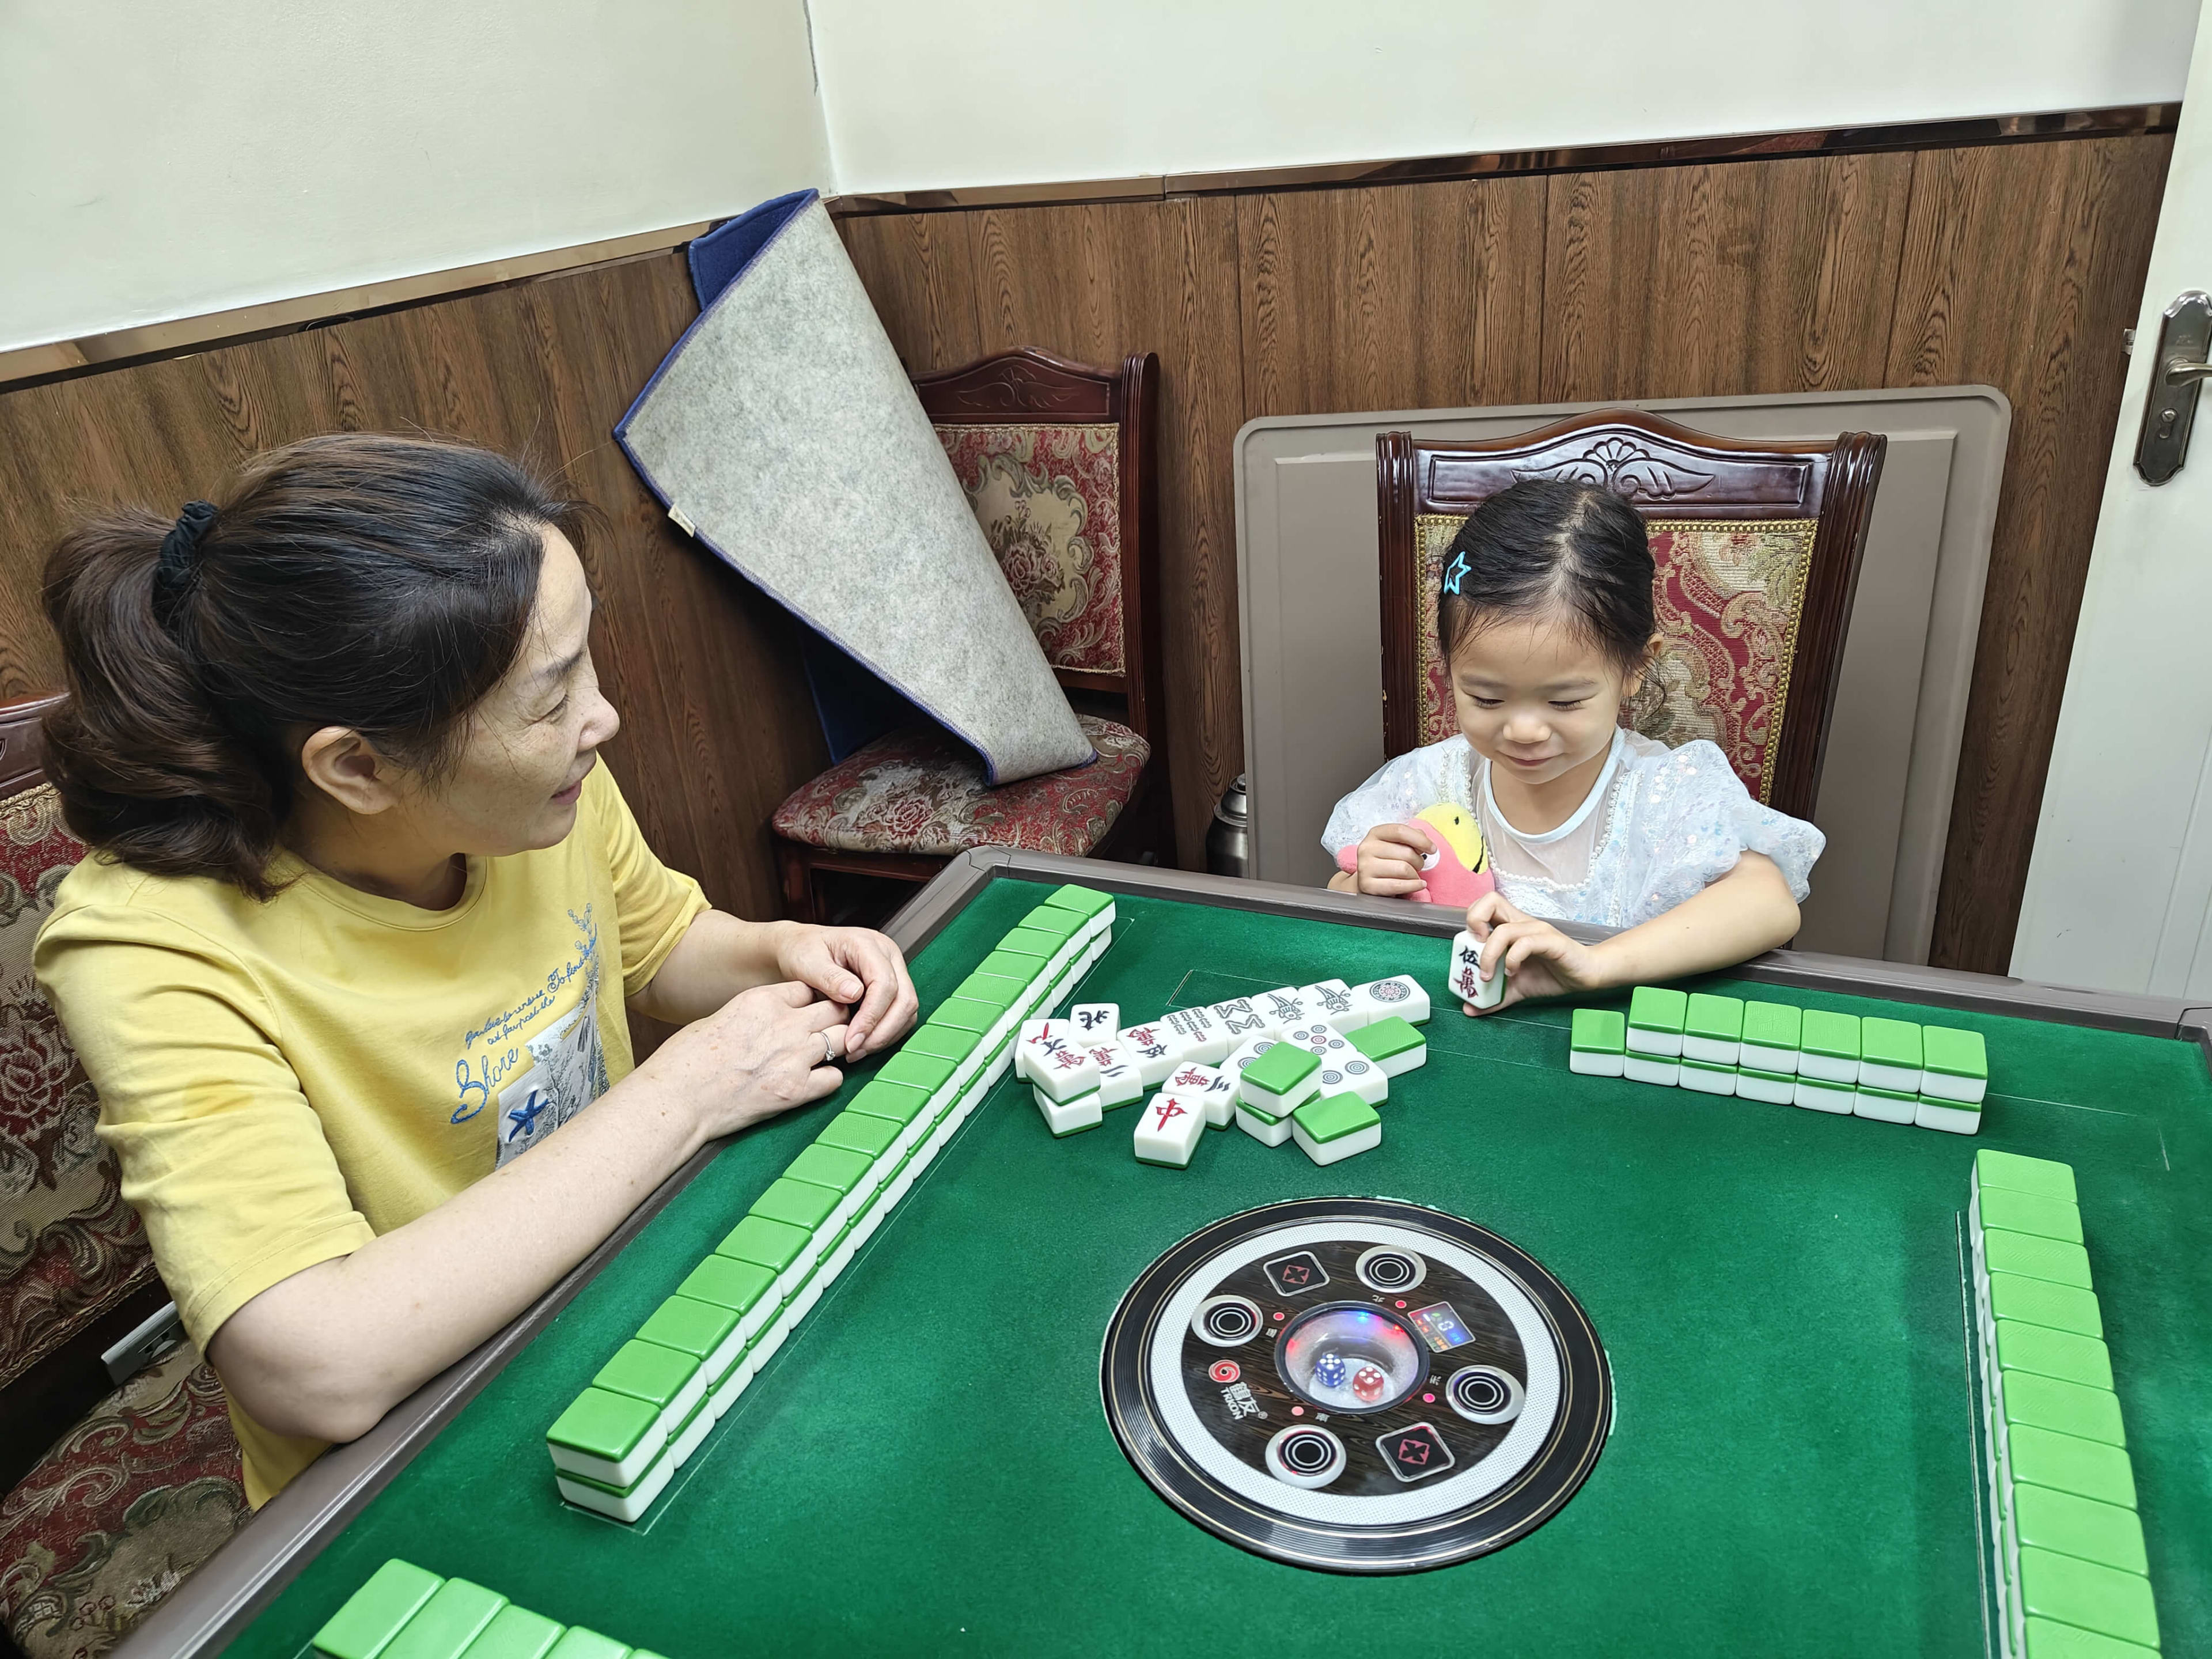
[{"x": 1328, "y": 1370}]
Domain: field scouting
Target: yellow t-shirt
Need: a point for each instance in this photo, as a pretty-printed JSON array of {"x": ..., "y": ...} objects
[{"x": 283, "y": 1081}]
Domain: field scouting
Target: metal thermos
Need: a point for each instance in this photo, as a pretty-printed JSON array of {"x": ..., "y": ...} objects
[{"x": 1229, "y": 837}]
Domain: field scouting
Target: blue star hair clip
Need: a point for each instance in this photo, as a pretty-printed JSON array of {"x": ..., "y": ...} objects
[{"x": 1455, "y": 574}]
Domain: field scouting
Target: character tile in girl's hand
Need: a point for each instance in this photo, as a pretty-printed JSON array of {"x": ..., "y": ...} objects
[{"x": 1546, "y": 620}]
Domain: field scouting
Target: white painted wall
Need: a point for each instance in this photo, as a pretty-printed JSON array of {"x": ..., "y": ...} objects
[
  {"x": 167, "y": 158},
  {"x": 922, "y": 93}
]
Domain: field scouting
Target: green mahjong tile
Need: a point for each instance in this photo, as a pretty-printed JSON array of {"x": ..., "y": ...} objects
[
  {"x": 1889, "y": 1042},
  {"x": 961, "y": 1013},
  {"x": 927, "y": 1072},
  {"x": 1266, "y": 1116},
  {"x": 1001, "y": 991},
  {"x": 2088, "y": 1469},
  {"x": 1282, "y": 1068},
  {"x": 1772, "y": 1024},
  {"x": 1657, "y": 1008},
  {"x": 580, "y": 1643},
  {"x": 449, "y": 1621},
  {"x": 1061, "y": 924},
  {"x": 1890, "y": 1095},
  {"x": 1386, "y": 1038},
  {"x": 1707, "y": 1067},
  {"x": 2032, "y": 1257},
  {"x": 1954, "y": 1053},
  {"x": 2024, "y": 1212},
  {"x": 1598, "y": 1031},
  {"x": 2084, "y": 1593},
  {"x": 2046, "y": 1352},
  {"x": 728, "y": 1282},
  {"x": 1718, "y": 1020},
  {"x": 1085, "y": 901},
  {"x": 951, "y": 1043},
  {"x": 1334, "y": 1117},
  {"x": 690, "y": 1326},
  {"x": 1832, "y": 1036},
  {"x": 2039, "y": 1302},
  {"x": 515, "y": 1633},
  {"x": 2039, "y": 1177},
  {"x": 828, "y": 1166},
  {"x": 603, "y": 1424},
  {"x": 771, "y": 1244},
  {"x": 856, "y": 1132},
  {"x": 1033, "y": 942},
  {"x": 897, "y": 1103},
  {"x": 2104, "y": 1532},
  {"x": 2048, "y": 1639},
  {"x": 646, "y": 1370},
  {"x": 2045, "y": 1402},
  {"x": 795, "y": 1203},
  {"x": 373, "y": 1614}
]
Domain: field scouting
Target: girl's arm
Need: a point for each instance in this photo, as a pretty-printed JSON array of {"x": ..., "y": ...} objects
[
  {"x": 1747, "y": 911},
  {"x": 327, "y": 1352},
  {"x": 720, "y": 955}
]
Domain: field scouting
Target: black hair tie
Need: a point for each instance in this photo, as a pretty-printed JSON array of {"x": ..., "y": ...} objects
[{"x": 178, "y": 561}]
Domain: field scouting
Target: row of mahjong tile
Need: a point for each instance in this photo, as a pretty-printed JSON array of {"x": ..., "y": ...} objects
[
  {"x": 403, "y": 1612},
  {"x": 620, "y": 1441},
  {"x": 1080, "y": 1068},
  {"x": 2069, "y": 1546},
  {"x": 1891, "y": 1070}
]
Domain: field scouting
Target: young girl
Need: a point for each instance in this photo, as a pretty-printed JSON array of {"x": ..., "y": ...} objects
[{"x": 1546, "y": 620}]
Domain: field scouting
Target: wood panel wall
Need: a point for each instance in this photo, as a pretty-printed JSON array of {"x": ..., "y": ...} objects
[
  {"x": 2018, "y": 265},
  {"x": 717, "y": 726}
]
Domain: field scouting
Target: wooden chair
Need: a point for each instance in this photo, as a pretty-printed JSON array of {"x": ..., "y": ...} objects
[
  {"x": 137, "y": 1484},
  {"x": 1058, "y": 461},
  {"x": 1758, "y": 547}
]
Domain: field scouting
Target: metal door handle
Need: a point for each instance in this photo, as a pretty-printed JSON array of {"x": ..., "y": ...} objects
[
  {"x": 2184, "y": 361},
  {"x": 2179, "y": 371}
]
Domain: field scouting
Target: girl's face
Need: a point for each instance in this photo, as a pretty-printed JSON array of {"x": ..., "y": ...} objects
[{"x": 1536, "y": 697}]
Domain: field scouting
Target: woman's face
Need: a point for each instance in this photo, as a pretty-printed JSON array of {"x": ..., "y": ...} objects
[
  {"x": 514, "y": 784},
  {"x": 1536, "y": 697}
]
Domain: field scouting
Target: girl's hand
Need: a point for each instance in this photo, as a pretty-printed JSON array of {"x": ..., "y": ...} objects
[
  {"x": 761, "y": 1052},
  {"x": 852, "y": 965},
  {"x": 1390, "y": 860},
  {"x": 1538, "y": 959}
]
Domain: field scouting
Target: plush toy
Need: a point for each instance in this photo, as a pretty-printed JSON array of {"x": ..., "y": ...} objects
[{"x": 1458, "y": 872}]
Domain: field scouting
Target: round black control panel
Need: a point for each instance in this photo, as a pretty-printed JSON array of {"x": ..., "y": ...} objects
[{"x": 1357, "y": 1385}]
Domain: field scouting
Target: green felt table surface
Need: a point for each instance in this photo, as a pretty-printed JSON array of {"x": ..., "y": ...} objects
[{"x": 925, "y": 1464}]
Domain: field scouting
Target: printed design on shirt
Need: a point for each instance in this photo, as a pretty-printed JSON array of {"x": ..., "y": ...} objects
[{"x": 541, "y": 1061}]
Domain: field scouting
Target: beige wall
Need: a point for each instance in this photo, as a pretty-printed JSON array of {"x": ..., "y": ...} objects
[
  {"x": 165, "y": 159},
  {"x": 925, "y": 94}
]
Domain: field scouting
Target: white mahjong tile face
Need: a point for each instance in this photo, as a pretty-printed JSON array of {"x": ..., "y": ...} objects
[
  {"x": 1329, "y": 996},
  {"x": 1322, "y": 1039},
  {"x": 1239, "y": 1017}
]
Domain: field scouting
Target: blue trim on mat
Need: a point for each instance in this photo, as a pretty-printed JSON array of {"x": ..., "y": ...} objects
[
  {"x": 719, "y": 258},
  {"x": 854, "y": 706}
]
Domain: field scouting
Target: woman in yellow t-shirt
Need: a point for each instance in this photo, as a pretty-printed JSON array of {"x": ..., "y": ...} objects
[{"x": 363, "y": 916}]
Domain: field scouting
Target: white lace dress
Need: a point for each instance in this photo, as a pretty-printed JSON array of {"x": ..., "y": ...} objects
[{"x": 1659, "y": 826}]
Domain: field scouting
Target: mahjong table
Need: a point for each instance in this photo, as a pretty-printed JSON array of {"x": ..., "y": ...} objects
[{"x": 1765, "y": 1317}]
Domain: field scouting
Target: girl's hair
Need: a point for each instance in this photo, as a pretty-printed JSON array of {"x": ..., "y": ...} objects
[
  {"x": 1545, "y": 545},
  {"x": 359, "y": 579}
]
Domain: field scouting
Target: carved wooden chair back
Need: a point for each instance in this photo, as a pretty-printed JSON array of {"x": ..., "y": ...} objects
[{"x": 1757, "y": 544}]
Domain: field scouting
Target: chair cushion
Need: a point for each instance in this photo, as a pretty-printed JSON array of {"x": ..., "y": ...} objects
[
  {"x": 918, "y": 791},
  {"x": 120, "y": 1511},
  {"x": 71, "y": 1249},
  {"x": 1728, "y": 601},
  {"x": 1049, "y": 500}
]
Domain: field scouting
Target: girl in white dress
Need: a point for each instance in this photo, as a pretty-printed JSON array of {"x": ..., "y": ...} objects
[{"x": 1546, "y": 618}]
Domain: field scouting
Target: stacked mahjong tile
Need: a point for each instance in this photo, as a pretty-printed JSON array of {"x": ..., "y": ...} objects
[
  {"x": 2068, "y": 1547},
  {"x": 408, "y": 1613},
  {"x": 616, "y": 1446},
  {"x": 1891, "y": 1069},
  {"x": 1305, "y": 1063}
]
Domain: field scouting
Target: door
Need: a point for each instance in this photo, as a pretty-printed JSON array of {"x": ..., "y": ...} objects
[{"x": 2119, "y": 887}]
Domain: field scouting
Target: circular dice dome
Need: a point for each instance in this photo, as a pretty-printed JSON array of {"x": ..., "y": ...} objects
[{"x": 1351, "y": 1358}]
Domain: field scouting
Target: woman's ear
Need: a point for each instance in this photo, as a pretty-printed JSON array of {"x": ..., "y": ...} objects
[
  {"x": 1652, "y": 649},
  {"x": 339, "y": 761}
]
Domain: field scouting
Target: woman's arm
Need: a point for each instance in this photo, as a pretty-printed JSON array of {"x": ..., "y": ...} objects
[
  {"x": 720, "y": 955},
  {"x": 327, "y": 1352},
  {"x": 1747, "y": 911}
]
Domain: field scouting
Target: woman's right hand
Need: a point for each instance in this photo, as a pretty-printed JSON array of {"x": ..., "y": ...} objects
[
  {"x": 759, "y": 1053},
  {"x": 1390, "y": 858}
]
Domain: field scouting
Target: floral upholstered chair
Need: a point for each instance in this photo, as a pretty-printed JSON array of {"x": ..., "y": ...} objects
[
  {"x": 1758, "y": 546},
  {"x": 133, "y": 1494},
  {"x": 1057, "y": 461}
]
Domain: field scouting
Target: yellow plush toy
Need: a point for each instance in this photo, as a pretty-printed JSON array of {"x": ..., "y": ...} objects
[{"x": 1458, "y": 872}]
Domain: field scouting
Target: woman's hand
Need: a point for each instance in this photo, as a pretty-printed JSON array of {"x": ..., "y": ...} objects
[
  {"x": 1536, "y": 958},
  {"x": 761, "y": 1052},
  {"x": 1391, "y": 858},
  {"x": 854, "y": 965}
]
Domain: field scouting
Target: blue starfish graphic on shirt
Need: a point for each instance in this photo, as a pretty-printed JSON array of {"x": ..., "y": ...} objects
[{"x": 524, "y": 1117}]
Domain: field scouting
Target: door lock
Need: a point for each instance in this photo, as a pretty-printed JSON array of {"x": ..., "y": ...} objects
[{"x": 2185, "y": 345}]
